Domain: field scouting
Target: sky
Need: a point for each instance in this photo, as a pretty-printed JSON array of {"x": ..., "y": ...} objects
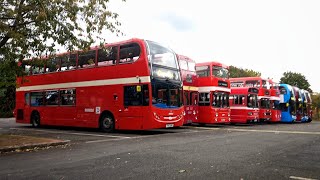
[{"x": 269, "y": 36}]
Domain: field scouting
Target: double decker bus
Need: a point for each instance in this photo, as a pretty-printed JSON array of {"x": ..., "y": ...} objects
[
  {"x": 263, "y": 94},
  {"x": 275, "y": 101},
  {"x": 244, "y": 105},
  {"x": 299, "y": 103},
  {"x": 309, "y": 105},
  {"x": 287, "y": 103},
  {"x": 214, "y": 89},
  {"x": 129, "y": 85},
  {"x": 190, "y": 89}
]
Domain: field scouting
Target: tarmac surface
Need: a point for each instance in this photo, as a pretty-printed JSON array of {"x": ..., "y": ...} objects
[{"x": 261, "y": 151}]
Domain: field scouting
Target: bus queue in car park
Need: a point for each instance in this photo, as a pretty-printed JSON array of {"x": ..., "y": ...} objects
[{"x": 140, "y": 84}]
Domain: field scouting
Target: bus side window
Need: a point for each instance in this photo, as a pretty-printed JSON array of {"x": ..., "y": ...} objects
[
  {"x": 87, "y": 59},
  {"x": 204, "y": 99},
  {"x": 129, "y": 53},
  {"x": 27, "y": 99},
  {"x": 68, "y": 62},
  {"x": 132, "y": 97},
  {"x": 36, "y": 98},
  {"x": 68, "y": 97},
  {"x": 107, "y": 56},
  {"x": 52, "y": 98},
  {"x": 186, "y": 98}
]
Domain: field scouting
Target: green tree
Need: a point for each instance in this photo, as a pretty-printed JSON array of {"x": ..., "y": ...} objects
[
  {"x": 240, "y": 72},
  {"x": 316, "y": 105},
  {"x": 38, "y": 27},
  {"x": 295, "y": 79}
]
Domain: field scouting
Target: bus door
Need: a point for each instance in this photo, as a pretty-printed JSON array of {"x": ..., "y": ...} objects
[
  {"x": 134, "y": 106},
  {"x": 67, "y": 107},
  {"x": 194, "y": 104}
]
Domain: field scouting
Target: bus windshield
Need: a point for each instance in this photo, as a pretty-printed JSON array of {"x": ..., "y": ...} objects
[
  {"x": 265, "y": 103},
  {"x": 252, "y": 100},
  {"x": 220, "y": 99},
  {"x": 220, "y": 72},
  {"x": 163, "y": 56},
  {"x": 166, "y": 95},
  {"x": 192, "y": 66}
]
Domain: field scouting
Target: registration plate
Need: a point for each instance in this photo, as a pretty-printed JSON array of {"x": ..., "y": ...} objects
[{"x": 169, "y": 125}]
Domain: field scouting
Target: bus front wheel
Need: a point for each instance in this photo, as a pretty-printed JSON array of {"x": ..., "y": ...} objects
[
  {"x": 106, "y": 123},
  {"x": 35, "y": 119}
]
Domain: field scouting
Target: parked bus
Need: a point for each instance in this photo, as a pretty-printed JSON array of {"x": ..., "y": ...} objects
[
  {"x": 129, "y": 85},
  {"x": 244, "y": 105},
  {"x": 309, "y": 105},
  {"x": 263, "y": 94},
  {"x": 214, "y": 89},
  {"x": 287, "y": 103},
  {"x": 275, "y": 101},
  {"x": 304, "y": 115},
  {"x": 190, "y": 89},
  {"x": 299, "y": 109}
]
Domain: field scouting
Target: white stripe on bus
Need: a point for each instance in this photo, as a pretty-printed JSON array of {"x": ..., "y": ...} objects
[
  {"x": 244, "y": 108},
  {"x": 260, "y": 97},
  {"x": 275, "y": 98},
  {"x": 104, "y": 82},
  {"x": 213, "y": 88}
]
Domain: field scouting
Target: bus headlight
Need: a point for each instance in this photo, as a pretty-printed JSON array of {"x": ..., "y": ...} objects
[{"x": 250, "y": 113}]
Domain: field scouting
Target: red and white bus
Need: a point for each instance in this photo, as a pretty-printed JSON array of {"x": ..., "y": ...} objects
[
  {"x": 190, "y": 89},
  {"x": 263, "y": 95},
  {"x": 129, "y": 85},
  {"x": 214, "y": 89},
  {"x": 244, "y": 105},
  {"x": 275, "y": 101}
]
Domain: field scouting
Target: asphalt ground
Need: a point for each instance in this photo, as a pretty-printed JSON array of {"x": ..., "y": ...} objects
[{"x": 259, "y": 151}]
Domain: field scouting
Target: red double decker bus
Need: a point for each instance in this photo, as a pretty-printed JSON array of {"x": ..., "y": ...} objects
[
  {"x": 131, "y": 85},
  {"x": 190, "y": 89},
  {"x": 275, "y": 101},
  {"x": 244, "y": 105},
  {"x": 214, "y": 89},
  {"x": 263, "y": 94}
]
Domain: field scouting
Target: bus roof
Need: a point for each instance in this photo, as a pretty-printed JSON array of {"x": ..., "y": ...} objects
[{"x": 214, "y": 63}]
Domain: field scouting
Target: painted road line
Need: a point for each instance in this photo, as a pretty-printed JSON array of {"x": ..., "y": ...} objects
[
  {"x": 205, "y": 128},
  {"x": 106, "y": 140},
  {"x": 301, "y": 178},
  {"x": 274, "y": 131},
  {"x": 64, "y": 132}
]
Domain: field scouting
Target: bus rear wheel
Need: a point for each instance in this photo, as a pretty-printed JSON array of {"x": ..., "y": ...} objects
[
  {"x": 35, "y": 119},
  {"x": 107, "y": 123}
]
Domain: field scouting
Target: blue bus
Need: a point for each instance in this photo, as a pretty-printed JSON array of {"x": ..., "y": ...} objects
[{"x": 287, "y": 103}]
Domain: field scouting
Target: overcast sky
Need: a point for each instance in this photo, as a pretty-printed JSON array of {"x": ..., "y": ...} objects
[{"x": 269, "y": 36}]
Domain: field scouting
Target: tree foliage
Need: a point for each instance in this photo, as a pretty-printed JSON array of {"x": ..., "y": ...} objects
[
  {"x": 316, "y": 104},
  {"x": 295, "y": 79},
  {"x": 240, "y": 72},
  {"x": 40, "y": 27},
  {"x": 34, "y": 26}
]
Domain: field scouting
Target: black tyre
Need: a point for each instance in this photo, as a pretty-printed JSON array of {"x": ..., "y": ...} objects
[
  {"x": 35, "y": 119},
  {"x": 107, "y": 123}
]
